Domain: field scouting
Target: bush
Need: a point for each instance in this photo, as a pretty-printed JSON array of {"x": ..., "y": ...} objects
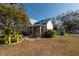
[
  {"x": 12, "y": 38},
  {"x": 49, "y": 33}
]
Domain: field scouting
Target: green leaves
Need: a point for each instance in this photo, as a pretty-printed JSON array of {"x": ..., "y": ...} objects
[
  {"x": 12, "y": 20},
  {"x": 70, "y": 20},
  {"x": 12, "y": 38},
  {"x": 49, "y": 33}
]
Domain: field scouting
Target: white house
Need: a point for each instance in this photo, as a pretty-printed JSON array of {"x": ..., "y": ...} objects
[{"x": 38, "y": 28}]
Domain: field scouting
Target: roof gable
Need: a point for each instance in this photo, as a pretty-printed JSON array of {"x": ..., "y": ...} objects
[
  {"x": 49, "y": 25},
  {"x": 32, "y": 21}
]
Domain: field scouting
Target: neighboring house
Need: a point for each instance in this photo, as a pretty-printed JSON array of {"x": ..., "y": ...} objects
[{"x": 36, "y": 29}]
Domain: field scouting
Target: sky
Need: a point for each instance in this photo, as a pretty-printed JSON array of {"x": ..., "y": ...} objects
[{"x": 39, "y": 11}]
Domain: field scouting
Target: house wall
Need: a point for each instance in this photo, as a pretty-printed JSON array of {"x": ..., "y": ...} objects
[{"x": 49, "y": 25}]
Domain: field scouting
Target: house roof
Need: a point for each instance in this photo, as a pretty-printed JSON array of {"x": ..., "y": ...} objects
[
  {"x": 42, "y": 22},
  {"x": 37, "y": 25}
]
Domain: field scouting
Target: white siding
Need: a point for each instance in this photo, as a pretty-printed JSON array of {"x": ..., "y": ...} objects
[
  {"x": 49, "y": 25},
  {"x": 32, "y": 21}
]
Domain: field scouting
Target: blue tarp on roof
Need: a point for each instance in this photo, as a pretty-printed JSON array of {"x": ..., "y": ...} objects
[{"x": 42, "y": 22}]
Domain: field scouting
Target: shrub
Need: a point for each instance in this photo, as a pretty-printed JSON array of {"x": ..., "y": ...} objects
[
  {"x": 49, "y": 33},
  {"x": 7, "y": 39},
  {"x": 11, "y": 38}
]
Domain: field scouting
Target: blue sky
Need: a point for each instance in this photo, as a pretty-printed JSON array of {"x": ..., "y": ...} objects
[{"x": 40, "y": 11}]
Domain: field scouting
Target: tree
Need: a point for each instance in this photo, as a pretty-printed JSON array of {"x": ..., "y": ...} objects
[
  {"x": 70, "y": 20},
  {"x": 23, "y": 16},
  {"x": 12, "y": 20}
]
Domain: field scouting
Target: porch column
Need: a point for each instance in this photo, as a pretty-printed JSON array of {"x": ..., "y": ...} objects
[
  {"x": 32, "y": 30},
  {"x": 40, "y": 31}
]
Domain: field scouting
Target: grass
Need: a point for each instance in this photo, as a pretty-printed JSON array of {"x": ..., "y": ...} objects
[
  {"x": 66, "y": 38},
  {"x": 61, "y": 45}
]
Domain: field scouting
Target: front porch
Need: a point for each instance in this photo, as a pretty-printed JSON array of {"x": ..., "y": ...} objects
[{"x": 36, "y": 30}]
